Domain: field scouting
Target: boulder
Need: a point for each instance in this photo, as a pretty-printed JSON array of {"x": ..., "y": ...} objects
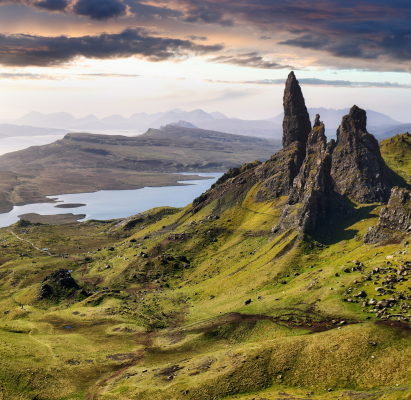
[
  {"x": 58, "y": 282},
  {"x": 394, "y": 219}
]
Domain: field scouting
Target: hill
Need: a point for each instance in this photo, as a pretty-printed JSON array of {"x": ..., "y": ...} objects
[
  {"x": 141, "y": 122},
  {"x": 82, "y": 162},
  {"x": 286, "y": 279}
]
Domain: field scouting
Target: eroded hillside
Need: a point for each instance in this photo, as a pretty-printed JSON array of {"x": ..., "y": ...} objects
[{"x": 287, "y": 279}]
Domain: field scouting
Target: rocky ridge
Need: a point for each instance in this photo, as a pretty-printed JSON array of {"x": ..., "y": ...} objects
[
  {"x": 358, "y": 169},
  {"x": 320, "y": 179},
  {"x": 394, "y": 219}
]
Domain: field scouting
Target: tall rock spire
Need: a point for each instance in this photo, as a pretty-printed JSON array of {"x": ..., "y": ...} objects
[
  {"x": 358, "y": 170},
  {"x": 296, "y": 124}
]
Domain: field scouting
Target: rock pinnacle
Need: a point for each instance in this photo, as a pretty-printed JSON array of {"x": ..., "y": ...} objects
[{"x": 296, "y": 124}]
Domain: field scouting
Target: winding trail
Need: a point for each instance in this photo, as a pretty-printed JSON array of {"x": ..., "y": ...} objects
[
  {"x": 42, "y": 343},
  {"x": 28, "y": 241}
]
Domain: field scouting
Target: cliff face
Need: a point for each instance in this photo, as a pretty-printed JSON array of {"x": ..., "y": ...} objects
[
  {"x": 309, "y": 198},
  {"x": 358, "y": 170},
  {"x": 296, "y": 124},
  {"x": 277, "y": 174},
  {"x": 318, "y": 178},
  {"x": 394, "y": 219}
]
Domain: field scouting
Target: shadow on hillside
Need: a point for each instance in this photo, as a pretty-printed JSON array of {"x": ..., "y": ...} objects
[
  {"x": 398, "y": 180},
  {"x": 338, "y": 229}
]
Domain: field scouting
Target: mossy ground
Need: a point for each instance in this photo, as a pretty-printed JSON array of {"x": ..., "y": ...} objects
[{"x": 159, "y": 327}]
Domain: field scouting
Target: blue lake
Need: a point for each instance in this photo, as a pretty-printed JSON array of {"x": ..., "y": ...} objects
[{"x": 110, "y": 204}]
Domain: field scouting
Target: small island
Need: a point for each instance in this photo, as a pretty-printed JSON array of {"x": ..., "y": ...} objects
[{"x": 70, "y": 205}]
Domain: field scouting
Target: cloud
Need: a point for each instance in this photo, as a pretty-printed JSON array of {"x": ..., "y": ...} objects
[
  {"x": 252, "y": 60},
  {"x": 17, "y": 76},
  {"x": 193, "y": 37},
  {"x": 52, "y": 5},
  {"x": 265, "y": 38},
  {"x": 100, "y": 9},
  {"x": 321, "y": 82},
  {"x": 366, "y": 30},
  {"x": 94, "y": 9},
  {"x": 29, "y": 50}
]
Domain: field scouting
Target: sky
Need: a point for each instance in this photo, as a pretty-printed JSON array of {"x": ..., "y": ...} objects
[{"x": 106, "y": 57}]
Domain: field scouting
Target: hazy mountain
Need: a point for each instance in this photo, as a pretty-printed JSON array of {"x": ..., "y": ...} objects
[
  {"x": 378, "y": 123},
  {"x": 218, "y": 115},
  {"x": 184, "y": 124},
  {"x": 332, "y": 118},
  {"x": 9, "y": 130}
]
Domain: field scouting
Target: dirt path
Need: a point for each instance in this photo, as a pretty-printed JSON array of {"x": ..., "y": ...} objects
[
  {"x": 43, "y": 344},
  {"x": 28, "y": 241}
]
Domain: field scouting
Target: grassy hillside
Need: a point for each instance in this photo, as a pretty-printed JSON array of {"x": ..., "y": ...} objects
[
  {"x": 177, "y": 304},
  {"x": 165, "y": 315},
  {"x": 82, "y": 162},
  {"x": 396, "y": 152}
]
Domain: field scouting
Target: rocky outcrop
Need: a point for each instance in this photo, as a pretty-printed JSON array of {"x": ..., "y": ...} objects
[
  {"x": 316, "y": 177},
  {"x": 230, "y": 192},
  {"x": 278, "y": 173},
  {"x": 57, "y": 283},
  {"x": 358, "y": 170},
  {"x": 312, "y": 191},
  {"x": 394, "y": 219},
  {"x": 296, "y": 123}
]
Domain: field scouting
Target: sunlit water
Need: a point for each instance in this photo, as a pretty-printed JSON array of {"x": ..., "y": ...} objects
[{"x": 110, "y": 204}]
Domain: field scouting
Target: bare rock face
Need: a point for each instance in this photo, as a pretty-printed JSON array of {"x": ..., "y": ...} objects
[
  {"x": 278, "y": 173},
  {"x": 394, "y": 219},
  {"x": 358, "y": 170},
  {"x": 59, "y": 281},
  {"x": 296, "y": 123},
  {"x": 310, "y": 196}
]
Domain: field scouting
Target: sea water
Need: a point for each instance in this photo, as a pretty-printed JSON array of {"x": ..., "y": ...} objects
[{"x": 111, "y": 204}]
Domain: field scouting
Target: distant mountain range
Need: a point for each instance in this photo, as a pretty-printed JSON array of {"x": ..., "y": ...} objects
[
  {"x": 379, "y": 124},
  {"x": 141, "y": 122}
]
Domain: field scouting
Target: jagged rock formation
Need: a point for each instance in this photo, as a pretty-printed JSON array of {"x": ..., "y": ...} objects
[
  {"x": 394, "y": 219},
  {"x": 55, "y": 283},
  {"x": 309, "y": 199},
  {"x": 296, "y": 123},
  {"x": 358, "y": 170},
  {"x": 278, "y": 173},
  {"x": 317, "y": 177},
  {"x": 230, "y": 192}
]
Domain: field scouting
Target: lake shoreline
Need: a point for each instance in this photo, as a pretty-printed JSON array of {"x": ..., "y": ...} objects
[{"x": 114, "y": 204}]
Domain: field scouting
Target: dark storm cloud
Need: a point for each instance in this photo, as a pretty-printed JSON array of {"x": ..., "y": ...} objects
[
  {"x": 100, "y": 9},
  {"x": 94, "y": 9},
  {"x": 29, "y": 50},
  {"x": 360, "y": 29},
  {"x": 253, "y": 60},
  {"x": 53, "y": 5}
]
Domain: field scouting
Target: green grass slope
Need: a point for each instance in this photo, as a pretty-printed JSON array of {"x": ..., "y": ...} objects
[{"x": 167, "y": 311}]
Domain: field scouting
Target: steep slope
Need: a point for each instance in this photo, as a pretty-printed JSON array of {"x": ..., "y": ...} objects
[
  {"x": 208, "y": 302},
  {"x": 358, "y": 170}
]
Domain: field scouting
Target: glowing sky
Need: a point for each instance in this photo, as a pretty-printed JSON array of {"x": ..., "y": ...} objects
[{"x": 107, "y": 57}]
